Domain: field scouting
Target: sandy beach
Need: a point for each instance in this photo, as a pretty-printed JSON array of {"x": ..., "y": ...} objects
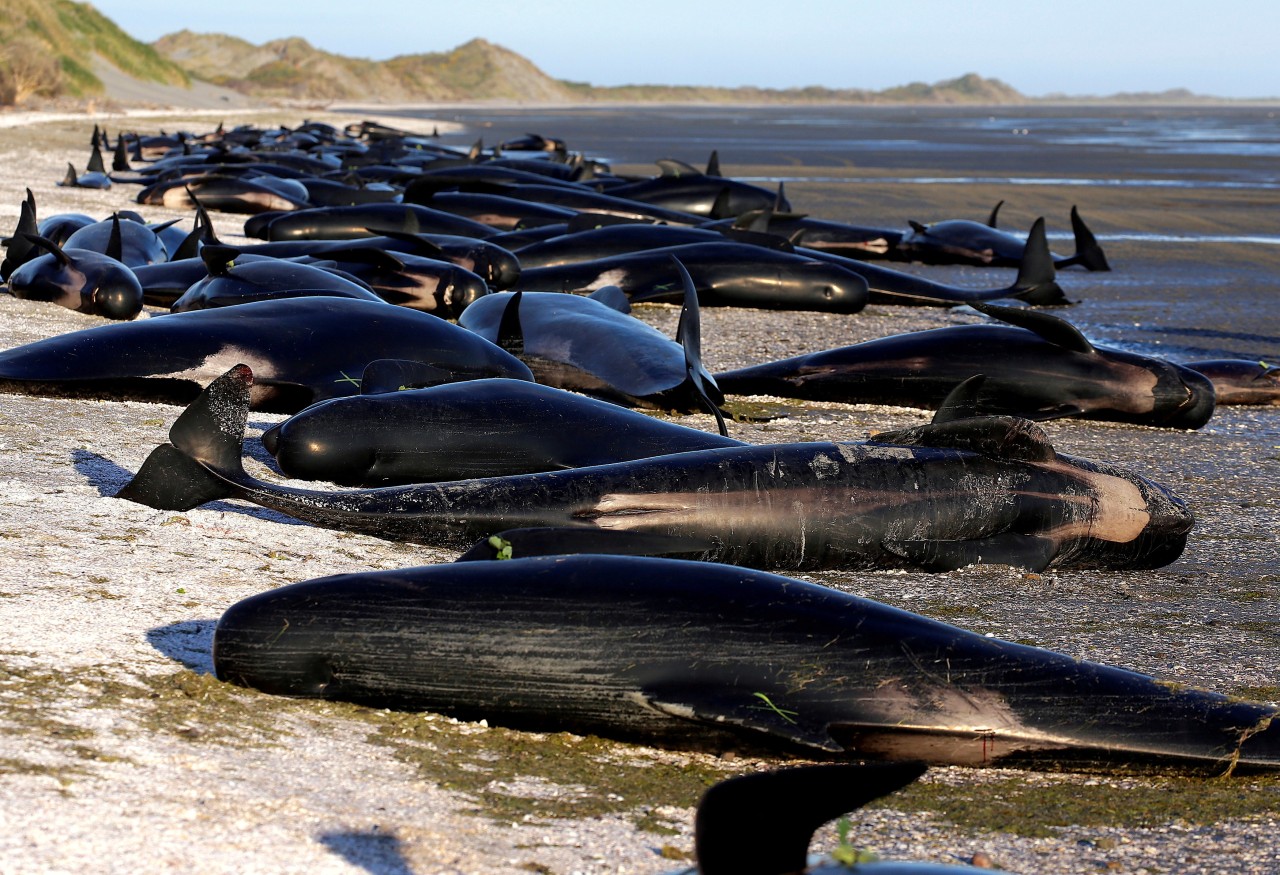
[{"x": 122, "y": 754}]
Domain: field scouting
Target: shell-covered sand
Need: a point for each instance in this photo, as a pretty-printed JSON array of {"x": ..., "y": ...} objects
[{"x": 120, "y": 754}]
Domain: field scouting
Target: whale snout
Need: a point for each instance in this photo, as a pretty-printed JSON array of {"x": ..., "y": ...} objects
[{"x": 1188, "y": 395}]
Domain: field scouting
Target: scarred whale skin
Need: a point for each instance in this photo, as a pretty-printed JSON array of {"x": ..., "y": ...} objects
[
  {"x": 989, "y": 489},
  {"x": 690, "y": 654}
]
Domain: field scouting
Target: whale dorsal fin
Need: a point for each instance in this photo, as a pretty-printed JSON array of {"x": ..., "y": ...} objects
[
  {"x": 1036, "y": 282},
  {"x": 713, "y": 164},
  {"x": 18, "y": 247},
  {"x": 70, "y": 179},
  {"x": 510, "y": 334},
  {"x": 676, "y": 169},
  {"x": 720, "y": 208},
  {"x": 115, "y": 243},
  {"x": 1053, "y": 329},
  {"x": 120, "y": 160},
  {"x": 996, "y": 437},
  {"x": 201, "y": 233},
  {"x": 917, "y": 227},
  {"x": 1088, "y": 252},
  {"x": 995, "y": 211},
  {"x": 961, "y": 402},
  {"x": 95, "y": 160},
  {"x": 218, "y": 258}
]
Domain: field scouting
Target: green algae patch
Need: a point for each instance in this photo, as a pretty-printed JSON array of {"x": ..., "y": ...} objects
[
  {"x": 740, "y": 410},
  {"x": 516, "y": 776},
  {"x": 1040, "y": 807},
  {"x": 57, "y": 708},
  {"x": 1257, "y": 694}
]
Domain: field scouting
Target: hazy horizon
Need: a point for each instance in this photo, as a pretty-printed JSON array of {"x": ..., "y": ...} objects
[{"x": 1085, "y": 48}]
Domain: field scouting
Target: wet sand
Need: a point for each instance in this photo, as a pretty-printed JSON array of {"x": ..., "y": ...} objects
[{"x": 122, "y": 755}]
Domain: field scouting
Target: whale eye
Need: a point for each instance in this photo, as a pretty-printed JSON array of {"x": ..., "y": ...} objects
[{"x": 828, "y": 292}]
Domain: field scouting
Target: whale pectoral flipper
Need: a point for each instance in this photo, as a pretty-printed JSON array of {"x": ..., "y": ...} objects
[
  {"x": 1007, "y": 548},
  {"x": 755, "y": 712},
  {"x": 563, "y": 540}
]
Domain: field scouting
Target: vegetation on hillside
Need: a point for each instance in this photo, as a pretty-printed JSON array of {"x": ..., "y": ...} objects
[
  {"x": 48, "y": 48},
  {"x": 294, "y": 69},
  {"x": 480, "y": 70}
]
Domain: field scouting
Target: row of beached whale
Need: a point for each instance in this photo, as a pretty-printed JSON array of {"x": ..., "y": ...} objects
[{"x": 465, "y": 436}]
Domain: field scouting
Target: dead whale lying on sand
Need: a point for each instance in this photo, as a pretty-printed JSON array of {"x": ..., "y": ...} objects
[
  {"x": 705, "y": 656},
  {"x": 305, "y": 350},
  {"x": 936, "y": 497}
]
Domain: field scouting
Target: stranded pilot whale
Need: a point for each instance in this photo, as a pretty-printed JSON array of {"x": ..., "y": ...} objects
[
  {"x": 592, "y": 345},
  {"x": 986, "y": 489},
  {"x": 725, "y": 273},
  {"x": 702, "y": 655},
  {"x": 306, "y": 349},
  {"x": 960, "y": 241},
  {"x": 457, "y": 431},
  {"x": 1037, "y": 366}
]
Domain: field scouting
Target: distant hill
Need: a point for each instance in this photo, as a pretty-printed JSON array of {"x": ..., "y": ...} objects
[
  {"x": 55, "y": 48},
  {"x": 293, "y": 68},
  {"x": 480, "y": 70},
  {"x": 52, "y": 47}
]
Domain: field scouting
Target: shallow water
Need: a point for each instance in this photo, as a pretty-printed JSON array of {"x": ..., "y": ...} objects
[{"x": 1235, "y": 145}]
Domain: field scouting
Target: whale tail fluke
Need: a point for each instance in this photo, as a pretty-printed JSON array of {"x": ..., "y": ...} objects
[
  {"x": 208, "y": 437},
  {"x": 169, "y": 479},
  {"x": 782, "y": 809},
  {"x": 1089, "y": 254},
  {"x": 1037, "y": 282}
]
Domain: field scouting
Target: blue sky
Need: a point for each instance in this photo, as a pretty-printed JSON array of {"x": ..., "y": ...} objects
[{"x": 1081, "y": 47}]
